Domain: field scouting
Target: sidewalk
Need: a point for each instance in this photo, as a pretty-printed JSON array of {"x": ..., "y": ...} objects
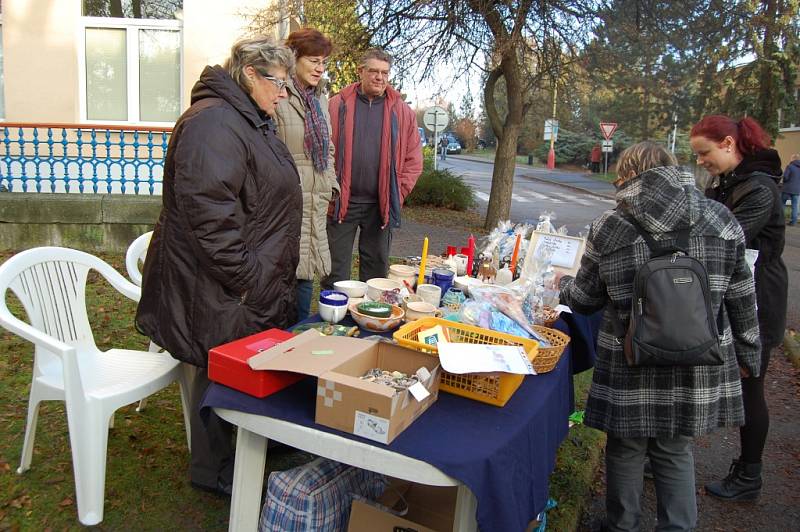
[
  {"x": 581, "y": 181},
  {"x": 779, "y": 504}
]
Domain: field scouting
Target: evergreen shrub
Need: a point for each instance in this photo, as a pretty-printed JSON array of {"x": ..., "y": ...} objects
[{"x": 441, "y": 188}]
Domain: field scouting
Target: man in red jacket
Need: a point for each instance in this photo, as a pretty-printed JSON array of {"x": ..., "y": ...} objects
[{"x": 378, "y": 160}]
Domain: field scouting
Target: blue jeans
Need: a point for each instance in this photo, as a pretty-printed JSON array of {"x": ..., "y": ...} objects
[
  {"x": 304, "y": 289},
  {"x": 794, "y": 198}
]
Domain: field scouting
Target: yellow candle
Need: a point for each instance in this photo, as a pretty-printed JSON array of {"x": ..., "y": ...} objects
[{"x": 421, "y": 279}]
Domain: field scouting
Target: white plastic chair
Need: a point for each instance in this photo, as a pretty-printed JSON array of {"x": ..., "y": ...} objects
[
  {"x": 51, "y": 282},
  {"x": 136, "y": 255}
]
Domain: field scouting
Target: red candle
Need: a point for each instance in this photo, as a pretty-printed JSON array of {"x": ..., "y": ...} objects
[{"x": 470, "y": 254}]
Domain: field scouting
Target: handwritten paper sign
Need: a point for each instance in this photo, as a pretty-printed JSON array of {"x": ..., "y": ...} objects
[{"x": 565, "y": 251}]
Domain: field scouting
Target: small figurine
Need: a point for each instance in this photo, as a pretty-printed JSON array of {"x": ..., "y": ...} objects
[{"x": 487, "y": 271}]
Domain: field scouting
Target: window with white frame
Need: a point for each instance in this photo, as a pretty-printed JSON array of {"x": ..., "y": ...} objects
[
  {"x": 132, "y": 60},
  {"x": 790, "y": 119}
]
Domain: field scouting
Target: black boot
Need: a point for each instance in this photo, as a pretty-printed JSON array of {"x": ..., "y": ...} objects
[{"x": 743, "y": 483}]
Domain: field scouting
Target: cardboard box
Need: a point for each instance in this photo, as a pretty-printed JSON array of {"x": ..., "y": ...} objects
[
  {"x": 346, "y": 402},
  {"x": 227, "y": 364},
  {"x": 429, "y": 509}
]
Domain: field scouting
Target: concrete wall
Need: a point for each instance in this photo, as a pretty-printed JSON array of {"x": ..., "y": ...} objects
[
  {"x": 90, "y": 222},
  {"x": 787, "y": 143}
]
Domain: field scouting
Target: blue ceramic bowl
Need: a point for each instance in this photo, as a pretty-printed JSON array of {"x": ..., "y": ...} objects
[{"x": 333, "y": 298}]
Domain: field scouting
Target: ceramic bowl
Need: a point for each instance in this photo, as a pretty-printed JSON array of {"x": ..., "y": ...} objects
[
  {"x": 465, "y": 283},
  {"x": 333, "y": 298},
  {"x": 378, "y": 285},
  {"x": 378, "y": 324},
  {"x": 353, "y": 289}
]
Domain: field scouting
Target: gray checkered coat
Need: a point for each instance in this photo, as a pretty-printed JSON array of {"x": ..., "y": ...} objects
[{"x": 640, "y": 402}]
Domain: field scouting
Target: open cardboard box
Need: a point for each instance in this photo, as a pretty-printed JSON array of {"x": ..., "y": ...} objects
[
  {"x": 428, "y": 509},
  {"x": 344, "y": 401}
]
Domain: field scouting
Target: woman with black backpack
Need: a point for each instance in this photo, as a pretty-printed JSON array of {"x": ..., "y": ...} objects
[
  {"x": 747, "y": 172},
  {"x": 656, "y": 410}
]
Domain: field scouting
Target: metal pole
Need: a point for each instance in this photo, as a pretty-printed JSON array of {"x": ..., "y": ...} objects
[
  {"x": 435, "y": 146},
  {"x": 605, "y": 163},
  {"x": 674, "y": 130},
  {"x": 551, "y": 155}
]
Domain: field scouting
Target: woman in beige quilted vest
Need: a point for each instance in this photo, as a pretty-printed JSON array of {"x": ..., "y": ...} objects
[{"x": 304, "y": 126}]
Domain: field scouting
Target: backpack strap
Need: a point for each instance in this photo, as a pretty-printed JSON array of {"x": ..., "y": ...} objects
[{"x": 656, "y": 247}]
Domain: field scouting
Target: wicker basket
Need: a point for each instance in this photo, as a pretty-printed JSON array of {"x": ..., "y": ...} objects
[
  {"x": 548, "y": 357},
  {"x": 492, "y": 388}
]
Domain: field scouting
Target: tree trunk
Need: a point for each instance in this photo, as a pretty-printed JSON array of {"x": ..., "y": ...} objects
[
  {"x": 503, "y": 177},
  {"x": 507, "y": 133}
]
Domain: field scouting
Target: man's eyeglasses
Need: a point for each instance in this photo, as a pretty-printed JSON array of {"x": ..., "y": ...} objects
[
  {"x": 281, "y": 84},
  {"x": 372, "y": 72},
  {"x": 316, "y": 63}
]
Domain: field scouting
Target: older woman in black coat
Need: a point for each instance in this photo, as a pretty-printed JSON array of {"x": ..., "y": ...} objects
[{"x": 222, "y": 260}]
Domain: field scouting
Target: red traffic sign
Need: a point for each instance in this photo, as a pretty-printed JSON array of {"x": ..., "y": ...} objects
[{"x": 608, "y": 129}]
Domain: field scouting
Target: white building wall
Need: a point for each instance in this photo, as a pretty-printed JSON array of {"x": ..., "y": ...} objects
[{"x": 41, "y": 52}]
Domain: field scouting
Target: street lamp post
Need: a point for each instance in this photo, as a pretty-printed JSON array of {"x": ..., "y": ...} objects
[{"x": 551, "y": 155}]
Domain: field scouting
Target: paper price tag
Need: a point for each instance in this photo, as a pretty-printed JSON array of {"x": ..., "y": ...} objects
[
  {"x": 371, "y": 427},
  {"x": 423, "y": 374},
  {"x": 419, "y": 392}
]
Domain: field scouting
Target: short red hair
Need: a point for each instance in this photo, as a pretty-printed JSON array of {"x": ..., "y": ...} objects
[
  {"x": 748, "y": 134},
  {"x": 309, "y": 42}
]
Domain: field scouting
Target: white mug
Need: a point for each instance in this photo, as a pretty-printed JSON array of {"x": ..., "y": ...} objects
[
  {"x": 416, "y": 310},
  {"x": 332, "y": 313},
  {"x": 430, "y": 293},
  {"x": 461, "y": 263}
]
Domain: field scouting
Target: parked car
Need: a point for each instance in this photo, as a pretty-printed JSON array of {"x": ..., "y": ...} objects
[
  {"x": 422, "y": 137},
  {"x": 482, "y": 144},
  {"x": 453, "y": 147}
]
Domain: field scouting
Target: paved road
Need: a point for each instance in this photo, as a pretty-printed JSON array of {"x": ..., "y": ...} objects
[{"x": 533, "y": 195}]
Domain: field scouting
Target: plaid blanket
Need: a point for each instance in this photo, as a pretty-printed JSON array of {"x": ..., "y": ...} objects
[{"x": 316, "y": 497}]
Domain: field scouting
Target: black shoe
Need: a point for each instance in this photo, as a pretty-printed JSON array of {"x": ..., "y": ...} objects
[
  {"x": 222, "y": 489},
  {"x": 743, "y": 483}
]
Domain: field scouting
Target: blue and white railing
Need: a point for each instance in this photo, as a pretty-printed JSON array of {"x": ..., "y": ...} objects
[{"x": 82, "y": 158}]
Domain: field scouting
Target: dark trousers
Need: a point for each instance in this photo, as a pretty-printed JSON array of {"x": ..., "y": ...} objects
[
  {"x": 753, "y": 434},
  {"x": 305, "y": 287},
  {"x": 212, "y": 442},
  {"x": 673, "y": 472},
  {"x": 373, "y": 244}
]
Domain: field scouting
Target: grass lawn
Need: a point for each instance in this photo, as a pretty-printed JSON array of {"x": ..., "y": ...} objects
[{"x": 146, "y": 477}]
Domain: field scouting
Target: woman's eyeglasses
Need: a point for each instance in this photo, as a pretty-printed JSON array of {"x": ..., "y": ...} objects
[
  {"x": 317, "y": 63},
  {"x": 281, "y": 84}
]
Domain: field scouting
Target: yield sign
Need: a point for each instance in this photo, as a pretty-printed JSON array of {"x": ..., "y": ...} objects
[{"x": 608, "y": 129}]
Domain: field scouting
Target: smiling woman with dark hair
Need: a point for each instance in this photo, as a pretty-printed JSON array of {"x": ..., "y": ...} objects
[{"x": 747, "y": 172}]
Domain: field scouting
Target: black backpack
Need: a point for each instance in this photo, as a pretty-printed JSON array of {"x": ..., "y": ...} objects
[{"x": 672, "y": 319}]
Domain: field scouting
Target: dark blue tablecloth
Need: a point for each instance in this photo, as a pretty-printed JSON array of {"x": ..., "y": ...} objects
[{"x": 504, "y": 455}]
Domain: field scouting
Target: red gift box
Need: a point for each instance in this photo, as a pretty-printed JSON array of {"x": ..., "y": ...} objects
[{"x": 227, "y": 364}]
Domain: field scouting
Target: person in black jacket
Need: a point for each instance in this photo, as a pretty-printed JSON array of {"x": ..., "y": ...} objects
[
  {"x": 221, "y": 263},
  {"x": 747, "y": 175}
]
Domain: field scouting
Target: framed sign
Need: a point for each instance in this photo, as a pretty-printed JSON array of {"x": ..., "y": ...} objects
[{"x": 565, "y": 251}]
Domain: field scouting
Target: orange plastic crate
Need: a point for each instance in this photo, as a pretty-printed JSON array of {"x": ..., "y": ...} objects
[{"x": 493, "y": 388}]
